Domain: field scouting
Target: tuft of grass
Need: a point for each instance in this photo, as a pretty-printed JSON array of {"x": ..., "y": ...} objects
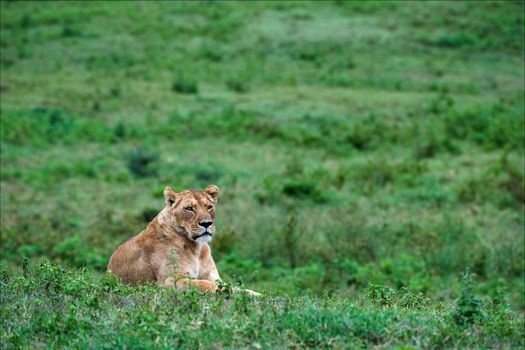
[
  {"x": 142, "y": 162},
  {"x": 184, "y": 85},
  {"x": 237, "y": 84},
  {"x": 468, "y": 309}
]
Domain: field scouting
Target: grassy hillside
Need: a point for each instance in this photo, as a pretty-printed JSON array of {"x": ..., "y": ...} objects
[{"x": 363, "y": 149}]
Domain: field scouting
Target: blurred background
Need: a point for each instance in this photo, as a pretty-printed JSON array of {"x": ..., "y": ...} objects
[{"x": 355, "y": 143}]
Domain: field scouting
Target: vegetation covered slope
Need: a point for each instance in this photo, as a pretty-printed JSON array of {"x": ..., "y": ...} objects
[
  {"x": 362, "y": 147},
  {"x": 47, "y": 306}
]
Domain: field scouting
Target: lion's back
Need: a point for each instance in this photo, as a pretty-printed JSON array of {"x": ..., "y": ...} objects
[{"x": 130, "y": 263}]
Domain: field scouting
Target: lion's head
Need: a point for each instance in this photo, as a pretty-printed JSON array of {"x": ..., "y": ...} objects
[{"x": 192, "y": 213}]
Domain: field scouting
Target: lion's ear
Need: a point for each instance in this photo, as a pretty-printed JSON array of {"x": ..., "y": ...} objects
[
  {"x": 170, "y": 196},
  {"x": 213, "y": 191}
]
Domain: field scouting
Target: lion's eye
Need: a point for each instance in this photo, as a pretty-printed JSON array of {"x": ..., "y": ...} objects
[
  {"x": 210, "y": 207},
  {"x": 189, "y": 209}
]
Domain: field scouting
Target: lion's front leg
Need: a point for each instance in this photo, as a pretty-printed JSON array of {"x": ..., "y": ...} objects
[
  {"x": 183, "y": 282},
  {"x": 252, "y": 292},
  {"x": 247, "y": 291}
]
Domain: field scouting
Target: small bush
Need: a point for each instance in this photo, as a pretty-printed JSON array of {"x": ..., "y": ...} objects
[
  {"x": 237, "y": 85},
  {"x": 115, "y": 91},
  {"x": 432, "y": 144},
  {"x": 42, "y": 126},
  {"x": 382, "y": 295},
  {"x": 494, "y": 126},
  {"x": 501, "y": 183},
  {"x": 297, "y": 184},
  {"x": 440, "y": 104},
  {"x": 184, "y": 85},
  {"x": 120, "y": 130},
  {"x": 468, "y": 308},
  {"x": 211, "y": 53},
  {"x": 69, "y": 31},
  {"x": 25, "y": 21},
  {"x": 306, "y": 188},
  {"x": 456, "y": 40},
  {"x": 148, "y": 214},
  {"x": 142, "y": 163}
]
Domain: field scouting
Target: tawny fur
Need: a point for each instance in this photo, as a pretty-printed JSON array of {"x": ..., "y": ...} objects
[{"x": 172, "y": 250}]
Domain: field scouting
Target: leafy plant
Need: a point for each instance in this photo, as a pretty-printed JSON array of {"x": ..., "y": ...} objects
[
  {"x": 142, "y": 163},
  {"x": 184, "y": 85},
  {"x": 468, "y": 308}
]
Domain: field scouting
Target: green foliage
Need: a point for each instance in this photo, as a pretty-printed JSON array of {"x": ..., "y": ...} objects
[
  {"x": 237, "y": 84},
  {"x": 495, "y": 126},
  {"x": 456, "y": 40},
  {"x": 75, "y": 250},
  {"x": 468, "y": 309},
  {"x": 66, "y": 308},
  {"x": 142, "y": 163},
  {"x": 184, "y": 85},
  {"x": 42, "y": 125}
]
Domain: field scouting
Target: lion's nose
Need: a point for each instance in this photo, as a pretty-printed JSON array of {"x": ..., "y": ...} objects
[{"x": 205, "y": 224}]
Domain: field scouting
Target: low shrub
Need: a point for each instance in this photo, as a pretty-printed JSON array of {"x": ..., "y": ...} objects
[
  {"x": 468, "y": 308},
  {"x": 184, "y": 85},
  {"x": 237, "y": 84},
  {"x": 142, "y": 163},
  {"x": 43, "y": 126},
  {"x": 494, "y": 126}
]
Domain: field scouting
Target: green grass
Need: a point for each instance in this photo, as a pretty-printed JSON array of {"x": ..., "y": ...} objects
[
  {"x": 70, "y": 308},
  {"x": 361, "y": 148}
]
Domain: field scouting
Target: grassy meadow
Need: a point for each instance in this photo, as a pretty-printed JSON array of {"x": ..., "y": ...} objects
[{"x": 370, "y": 157}]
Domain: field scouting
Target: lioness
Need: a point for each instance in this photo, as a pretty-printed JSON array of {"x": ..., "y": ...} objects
[{"x": 173, "y": 249}]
